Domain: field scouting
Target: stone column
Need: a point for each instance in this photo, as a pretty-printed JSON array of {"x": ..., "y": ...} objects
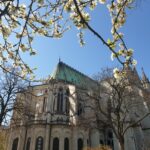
[
  {"x": 74, "y": 139},
  {"x": 85, "y": 142},
  {"x": 61, "y": 142},
  {"x": 94, "y": 138},
  {"x": 33, "y": 138},
  {"x": 22, "y": 138},
  {"x": 47, "y": 132},
  {"x": 50, "y": 102}
]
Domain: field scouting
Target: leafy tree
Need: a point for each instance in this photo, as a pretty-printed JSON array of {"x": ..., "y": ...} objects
[{"x": 22, "y": 21}]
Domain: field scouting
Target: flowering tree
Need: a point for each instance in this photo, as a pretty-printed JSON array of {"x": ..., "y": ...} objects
[{"x": 20, "y": 22}]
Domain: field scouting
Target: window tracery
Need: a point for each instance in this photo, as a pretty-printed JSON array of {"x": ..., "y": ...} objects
[
  {"x": 80, "y": 144},
  {"x": 60, "y": 100},
  {"x": 66, "y": 144},
  {"x": 39, "y": 143},
  {"x": 28, "y": 144},
  {"x": 15, "y": 144},
  {"x": 67, "y": 101},
  {"x": 55, "y": 144}
]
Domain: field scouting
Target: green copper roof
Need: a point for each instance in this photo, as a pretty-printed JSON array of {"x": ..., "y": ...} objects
[{"x": 69, "y": 74}]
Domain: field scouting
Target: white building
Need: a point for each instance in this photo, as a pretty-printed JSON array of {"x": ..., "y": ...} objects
[{"x": 55, "y": 112}]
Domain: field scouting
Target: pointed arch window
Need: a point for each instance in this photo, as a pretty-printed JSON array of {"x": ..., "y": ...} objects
[
  {"x": 15, "y": 144},
  {"x": 80, "y": 144},
  {"x": 55, "y": 144},
  {"x": 28, "y": 144},
  {"x": 39, "y": 143},
  {"x": 80, "y": 109},
  {"x": 110, "y": 139},
  {"x": 67, "y": 101},
  {"x": 66, "y": 144},
  {"x": 44, "y": 104},
  {"x": 101, "y": 142},
  {"x": 60, "y": 100}
]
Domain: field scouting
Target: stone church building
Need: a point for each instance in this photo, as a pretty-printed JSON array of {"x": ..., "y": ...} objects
[{"x": 54, "y": 115}]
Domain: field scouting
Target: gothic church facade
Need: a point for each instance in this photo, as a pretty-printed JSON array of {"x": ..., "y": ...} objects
[{"x": 53, "y": 112}]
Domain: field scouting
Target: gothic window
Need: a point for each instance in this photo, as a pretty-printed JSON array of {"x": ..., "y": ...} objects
[
  {"x": 15, "y": 144},
  {"x": 55, "y": 144},
  {"x": 80, "y": 144},
  {"x": 28, "y": 144},
  {"x": 60, "y": 100},
  {"x": 80, "y": 109},
  {"x": 44, "y": 104},
  {"x": 87, "y": 142},
  {"x": 101, "y": 142},
  {"x": 67, "y": 101},
  {"x": 110, "y": 135},
  {"x": 39, "y": 143},
  {"x": 109, "y": 142},
  {"x": 110, "y": 139},
  {"x": 66, "y": 144}
]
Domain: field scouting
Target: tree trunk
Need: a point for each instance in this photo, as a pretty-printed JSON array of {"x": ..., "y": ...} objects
[
  {"x": 121, "y": 142},
  {"x": 122, "y": 146},
  {"x": 1, "y": 119}
]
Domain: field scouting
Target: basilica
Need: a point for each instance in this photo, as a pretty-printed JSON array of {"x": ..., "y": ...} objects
[{"x": 54, "y": 113}]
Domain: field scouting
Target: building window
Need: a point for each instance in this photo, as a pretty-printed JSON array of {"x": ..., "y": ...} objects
[
  {"x": 60, "y": 100},
  {"x": 109, "y": 142},
  {"x": 80, "y": 109},
  {"x": 39, "y": 143},
  {"x": 44, "y": 104},
  {"x": 66, "y": 144},
  {"x": 15, "y": 144},
  {"x": 110, "y": 135},
  {"x": 55, "y": 144},
  {"x": 110, "y": 139},
  {"x": 28, "y": 144},
  {"x": 101, "y": 142},
  {"x": 67, "y": 101},
  {"x": 80, "y": 144},
  {"x": 87, "y": 142}
]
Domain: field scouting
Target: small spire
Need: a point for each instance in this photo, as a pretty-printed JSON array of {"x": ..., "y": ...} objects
[
  {"x": 59, "y": 59},
  {"x": 135, "y": 72},
  {"x": 144, "y": 77}
]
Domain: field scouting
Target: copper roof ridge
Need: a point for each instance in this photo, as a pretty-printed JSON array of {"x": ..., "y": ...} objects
[{"x": 77, "y": 71}]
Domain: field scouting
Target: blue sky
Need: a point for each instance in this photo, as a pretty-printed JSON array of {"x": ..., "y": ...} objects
[{"x": 94, "y": 55}]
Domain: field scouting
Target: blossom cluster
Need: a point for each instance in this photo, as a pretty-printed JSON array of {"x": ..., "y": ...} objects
[
  {"x": 120, "y": 51},
  {"x": 23, "y": 21},
  {"x": 19, "y": 24},
  {"x": 80, "y": 15}
]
